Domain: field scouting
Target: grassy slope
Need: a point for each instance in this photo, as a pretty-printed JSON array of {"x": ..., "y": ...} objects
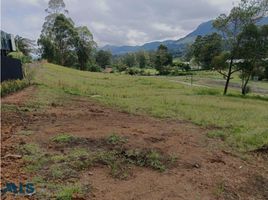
[
  {"x": 204, "y": 77},
  {"x": 243, "y": 122}
]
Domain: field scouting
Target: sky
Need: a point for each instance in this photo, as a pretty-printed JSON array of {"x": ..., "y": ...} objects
[{"x": 117, "y": 22}]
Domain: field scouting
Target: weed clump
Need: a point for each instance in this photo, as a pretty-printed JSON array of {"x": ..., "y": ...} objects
[
  {"x": 116, "y": 139},
  {"x": 67, "y": 162},
  {"x": 63, "y": 138},
  {"x": 146, "y": 158}
]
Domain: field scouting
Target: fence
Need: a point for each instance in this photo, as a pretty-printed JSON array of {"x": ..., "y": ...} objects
[{"x": 10, "y": 69}]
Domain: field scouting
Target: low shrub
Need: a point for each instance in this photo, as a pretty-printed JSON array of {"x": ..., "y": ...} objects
[
  {"x": 134, "y": 71},
  {"x": 174, "y": 71},
  {"x": 63, "y": 138},
  {"x": 10, "y": 86},
  {"x": 68, "y": 192},
  {"x": 94, "y": 68},
  {"x": 20, "y": 56},
  {"x": 116, "y": 139}
]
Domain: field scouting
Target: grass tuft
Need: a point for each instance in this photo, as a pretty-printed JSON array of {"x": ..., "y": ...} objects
[
  {"x": 116, "y": 139},
  {"x": 63, "y": 138},
  {"x": 68, "y": 192}
]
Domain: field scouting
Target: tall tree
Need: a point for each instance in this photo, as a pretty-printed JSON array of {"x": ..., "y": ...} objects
[
  {"x": 230, "y": 26},
  {"x": 63, "y": 33},
  {"x": 47, "y": 38},
  {"x": 55, "y": 8}
]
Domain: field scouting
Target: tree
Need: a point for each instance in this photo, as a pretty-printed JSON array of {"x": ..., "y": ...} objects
[
  {"x": 63, "y": 43},
  {"x": 162, "y": 59},
  {"x": 55, "y": 8},
  {"x": 24, "y": 45},
  {"x": 220, "y": 62},
  {"x": 63, "y": 34},
  {"x": 206, "y": 48},
  {"x": 47, "y": 49},
  {"x": 104, "y": 58},
  {"x": 247, "y": 12},
  {"x": 84, "y": 46},
  {"x": 253, "y": 50},
  {"x": 46, "y": 40}
]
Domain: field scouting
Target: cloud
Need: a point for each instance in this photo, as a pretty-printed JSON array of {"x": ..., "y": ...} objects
[
  {"x": 30, "y": 2},
  {"x": 119, "y": 22}
]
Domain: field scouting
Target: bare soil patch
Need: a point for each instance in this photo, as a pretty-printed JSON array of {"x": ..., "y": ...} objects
[{"x": 203, "y": 169}]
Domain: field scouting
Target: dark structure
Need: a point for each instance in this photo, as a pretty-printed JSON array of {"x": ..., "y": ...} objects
[{"x": 10, "y": 68}]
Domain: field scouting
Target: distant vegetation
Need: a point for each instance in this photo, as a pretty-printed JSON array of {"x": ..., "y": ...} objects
[
  {"x": 238, "y": 46},
  {"x": 241, "y": 45}
]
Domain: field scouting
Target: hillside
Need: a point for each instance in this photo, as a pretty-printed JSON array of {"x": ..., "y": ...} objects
[
  {"x": 174, "y": 46},
  {"x": 83, "y": 135}
]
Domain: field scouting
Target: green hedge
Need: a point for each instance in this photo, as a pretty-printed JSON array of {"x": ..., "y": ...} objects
[{"x": 11, "y": 86}]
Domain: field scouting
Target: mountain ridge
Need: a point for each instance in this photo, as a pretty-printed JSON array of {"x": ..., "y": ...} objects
[{"x": 175, "y": 46}]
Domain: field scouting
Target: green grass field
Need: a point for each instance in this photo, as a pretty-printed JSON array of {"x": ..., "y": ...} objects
[{"x": 241, "y": 122}]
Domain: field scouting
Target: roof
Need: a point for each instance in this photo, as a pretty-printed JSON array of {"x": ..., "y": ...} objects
[{"x": 7, "y": 42}]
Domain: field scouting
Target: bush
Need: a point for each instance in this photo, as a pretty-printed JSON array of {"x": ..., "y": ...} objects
[
  {"x": 135, "y": 71},
  {"x": 174, "y": 71},
  {"x": 165, "y": 70},
  {"x": 94, "y": 68},
  {"x": 63, "y": 138},
  {"x": 20, "y": 56},
  {"x": 121, "y": 67},
  {"x": 183, "y": 66},
  {"x": 11, "y": 86},
  {"x": 177, "y": 72}
]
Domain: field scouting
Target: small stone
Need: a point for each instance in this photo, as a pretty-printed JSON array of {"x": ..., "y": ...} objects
[{"x": 197, "y": 165}]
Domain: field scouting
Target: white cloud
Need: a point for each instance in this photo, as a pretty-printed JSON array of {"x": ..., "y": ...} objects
[
  {"x": 103, "y": 6},
  {"x": 119, "y": 22},
  {"x": 136, "y": 37},
  {"x": 31, "y": 2}
]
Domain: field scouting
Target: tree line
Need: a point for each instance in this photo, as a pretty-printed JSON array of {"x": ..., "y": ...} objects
[
  {"x": 159, "y": 60},
  {"x": 240, "y": 45}
]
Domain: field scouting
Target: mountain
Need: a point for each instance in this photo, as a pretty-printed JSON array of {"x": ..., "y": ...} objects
[{"x": 175, "y": 46}]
